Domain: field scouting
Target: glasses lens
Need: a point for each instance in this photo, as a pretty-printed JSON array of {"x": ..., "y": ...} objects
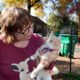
[{"x": 25, "y": 29}]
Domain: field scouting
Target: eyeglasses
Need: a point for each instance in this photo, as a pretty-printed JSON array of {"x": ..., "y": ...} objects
[{"x": 26, "y": 30}]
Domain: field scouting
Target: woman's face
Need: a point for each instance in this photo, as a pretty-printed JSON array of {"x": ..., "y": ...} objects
[{"x": 26, "y": 33}]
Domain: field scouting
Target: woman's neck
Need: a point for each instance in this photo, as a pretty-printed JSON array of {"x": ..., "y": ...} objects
[{"x": 21, "y": 44}]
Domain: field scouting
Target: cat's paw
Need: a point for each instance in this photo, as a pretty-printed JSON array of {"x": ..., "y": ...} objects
[
  {"x": 32, "y": 58},
  {"x": 33, "y": 75}
]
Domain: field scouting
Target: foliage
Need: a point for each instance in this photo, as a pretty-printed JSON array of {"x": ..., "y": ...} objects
[
  {"x": 18, "y": 3},
  {"x": 64, "y": 2},
  {"x": 38, "y": 7},
  {"x": 62, "y": 24},
  {"x": 69, "y": 26},
  {"x": 39, "y": 12},
  {"x": 73, "y": 76},
  {"x": 55, "y": 22},
  {"x": 36, "y": 4}
]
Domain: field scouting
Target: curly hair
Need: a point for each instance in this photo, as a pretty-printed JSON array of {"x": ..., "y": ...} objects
[{"x": 11, "y": 20}]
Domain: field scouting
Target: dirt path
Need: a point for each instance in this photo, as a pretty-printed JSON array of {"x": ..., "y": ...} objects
[{"x": 63, "y": 64}]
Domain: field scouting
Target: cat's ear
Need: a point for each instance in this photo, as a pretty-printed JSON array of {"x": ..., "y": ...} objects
[{"x": 15, "y": 67}]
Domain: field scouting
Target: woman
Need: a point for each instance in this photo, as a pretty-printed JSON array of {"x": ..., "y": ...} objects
[{"x": 17, "y": 41}]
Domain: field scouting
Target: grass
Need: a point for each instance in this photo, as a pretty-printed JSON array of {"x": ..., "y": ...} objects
[
  {"x": 67, "y": 76},
  {"x": 73, "y": 76}
]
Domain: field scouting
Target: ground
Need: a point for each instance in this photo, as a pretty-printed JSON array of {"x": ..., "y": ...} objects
[{"x": 63, "y": 64}]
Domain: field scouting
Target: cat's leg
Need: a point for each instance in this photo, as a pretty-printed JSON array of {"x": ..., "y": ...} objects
[
  {"x": 33, "y": 57},
  {"x": 43, "y": 75},
  {"x": 55, "y": 70},
  {"x": 40, "y": 66},
  {"x": 46, "y": 76}
]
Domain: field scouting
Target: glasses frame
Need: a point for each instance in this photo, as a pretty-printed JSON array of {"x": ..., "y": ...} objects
[{"x": 26, "y": 30}]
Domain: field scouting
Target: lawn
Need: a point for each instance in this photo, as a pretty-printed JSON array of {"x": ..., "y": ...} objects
[{"x": 67, "y": 76}]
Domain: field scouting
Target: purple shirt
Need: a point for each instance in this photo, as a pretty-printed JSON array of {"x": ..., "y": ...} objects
[{"x": 10, "y": 54}]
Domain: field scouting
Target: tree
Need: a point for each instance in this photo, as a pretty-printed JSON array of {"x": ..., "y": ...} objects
[
  {"x": 21, "y": 3},
  {"x": 31, "y": 3},
  {"x": 55, "y": 22},
  {"x": 18, "y": 3}
]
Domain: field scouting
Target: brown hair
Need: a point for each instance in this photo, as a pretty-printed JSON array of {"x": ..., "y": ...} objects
[{"x": 11, "y": 20}]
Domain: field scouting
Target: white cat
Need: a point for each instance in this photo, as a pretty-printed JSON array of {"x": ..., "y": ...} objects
[{"x": 48, "y": 53}]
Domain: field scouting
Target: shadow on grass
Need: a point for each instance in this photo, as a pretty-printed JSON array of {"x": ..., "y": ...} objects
[{"x": 66, "y": 76}]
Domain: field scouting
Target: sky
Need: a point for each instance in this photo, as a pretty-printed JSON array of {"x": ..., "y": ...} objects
[
  {"x": 47, "y": 10},
  {"x": 1, "y": 5}
]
